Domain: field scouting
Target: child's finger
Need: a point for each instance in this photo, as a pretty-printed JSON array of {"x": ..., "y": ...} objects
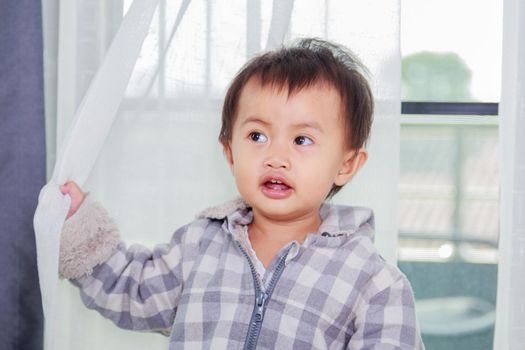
[
  {"x": 64, "y": 188},
  {"x": 77, "y": 197},
  {"x": 74, "y": 190},
  {"x": 71, "y": 188}
]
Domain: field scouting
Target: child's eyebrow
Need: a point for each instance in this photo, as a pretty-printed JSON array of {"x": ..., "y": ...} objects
[
  {"x": 308, "y": 125},
  {"x": 254, "y": 120},
  {"x": 304, "y": 125}
]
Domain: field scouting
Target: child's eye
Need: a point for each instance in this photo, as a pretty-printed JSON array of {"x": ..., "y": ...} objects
[
  {"x": 258, "y": 137},
  {"x": 303, "y": 141}
]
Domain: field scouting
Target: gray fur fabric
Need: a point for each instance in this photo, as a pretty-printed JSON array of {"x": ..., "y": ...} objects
[
  {"x": 89, "y": 237},
  {"x": 223, "y": 210}
]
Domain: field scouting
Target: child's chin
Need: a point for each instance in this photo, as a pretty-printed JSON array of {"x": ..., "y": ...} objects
[{"x": 278, "y": 210}]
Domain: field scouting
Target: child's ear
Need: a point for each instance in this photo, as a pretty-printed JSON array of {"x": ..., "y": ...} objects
[
  {"x": 226, "y": 147},
  {"x": 352, "y": 162}
]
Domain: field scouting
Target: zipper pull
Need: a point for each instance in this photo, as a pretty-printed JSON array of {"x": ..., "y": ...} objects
[{"x": 261, "y": 300}]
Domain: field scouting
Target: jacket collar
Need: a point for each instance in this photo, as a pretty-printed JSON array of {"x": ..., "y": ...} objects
[{"x": 337, "y": 220}]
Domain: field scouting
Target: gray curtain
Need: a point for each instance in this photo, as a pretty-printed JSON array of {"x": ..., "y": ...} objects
[{"x": 22, "y": 171}]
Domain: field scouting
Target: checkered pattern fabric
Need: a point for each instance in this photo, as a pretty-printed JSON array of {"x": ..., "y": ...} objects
[{"x": 335, "y": 292}]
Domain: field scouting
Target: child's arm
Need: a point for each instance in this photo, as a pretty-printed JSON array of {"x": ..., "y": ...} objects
[
  {"x": 135, "y": 288},
  {"x": 387, "y": 319}
]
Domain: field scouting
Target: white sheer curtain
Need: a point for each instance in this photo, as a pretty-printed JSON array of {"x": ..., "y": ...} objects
[
  {"x": 510, "y": 319},
  {"x": 161, "y": 162}
]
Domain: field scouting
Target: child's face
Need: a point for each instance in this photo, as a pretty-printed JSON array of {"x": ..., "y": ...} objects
[{"x": 286, "y": 152}]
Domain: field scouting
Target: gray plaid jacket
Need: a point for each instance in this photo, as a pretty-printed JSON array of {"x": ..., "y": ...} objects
[{"x": 203, "y": 288}]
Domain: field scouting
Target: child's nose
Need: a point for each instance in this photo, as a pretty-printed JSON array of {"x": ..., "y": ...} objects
[
  {"x": 277, "y": 163},
  {"x": 278, "y": 157}
]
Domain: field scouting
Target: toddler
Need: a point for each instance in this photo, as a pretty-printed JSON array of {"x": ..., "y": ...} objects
[{"x": 279, "y": 268}]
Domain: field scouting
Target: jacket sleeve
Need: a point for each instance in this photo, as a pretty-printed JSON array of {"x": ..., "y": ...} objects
[
  {"x": 387, "y": 320},
  {"x": 136, "y": 288}
]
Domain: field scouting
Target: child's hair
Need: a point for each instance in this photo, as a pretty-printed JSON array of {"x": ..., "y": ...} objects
[{"x": 308, "y": 62}]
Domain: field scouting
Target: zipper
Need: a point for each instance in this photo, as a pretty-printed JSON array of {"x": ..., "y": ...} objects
[{"x": 261, "y": 299}]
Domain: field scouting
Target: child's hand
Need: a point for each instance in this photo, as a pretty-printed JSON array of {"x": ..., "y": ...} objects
[{"x": 76, "y": 194}]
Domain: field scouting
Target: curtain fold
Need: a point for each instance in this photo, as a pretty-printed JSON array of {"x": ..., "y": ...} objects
[
  {"x": 80, "y": 148},
  {"x": 161, "y": 162},
  {"x": 22, "y": 172},
  {"x": 510, "y": 311}
]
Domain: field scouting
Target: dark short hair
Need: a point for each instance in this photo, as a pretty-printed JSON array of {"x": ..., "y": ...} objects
[{"x": 308, "y": 62}]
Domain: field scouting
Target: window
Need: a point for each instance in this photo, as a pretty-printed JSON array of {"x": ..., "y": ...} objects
[{"x": 449, "y": 167}]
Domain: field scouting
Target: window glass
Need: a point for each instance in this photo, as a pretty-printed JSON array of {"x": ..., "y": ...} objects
[
  {"x": 449, "y": 226},
  {"x": 449, "y": 188}
]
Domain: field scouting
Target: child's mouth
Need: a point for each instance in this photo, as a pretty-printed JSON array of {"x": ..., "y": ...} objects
[
  {"x": 276, "y": 185},
  {"x": 276, "y": 189}
]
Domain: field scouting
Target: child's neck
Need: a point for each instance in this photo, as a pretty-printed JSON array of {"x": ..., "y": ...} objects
[{"x": 268, "y": 236}]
